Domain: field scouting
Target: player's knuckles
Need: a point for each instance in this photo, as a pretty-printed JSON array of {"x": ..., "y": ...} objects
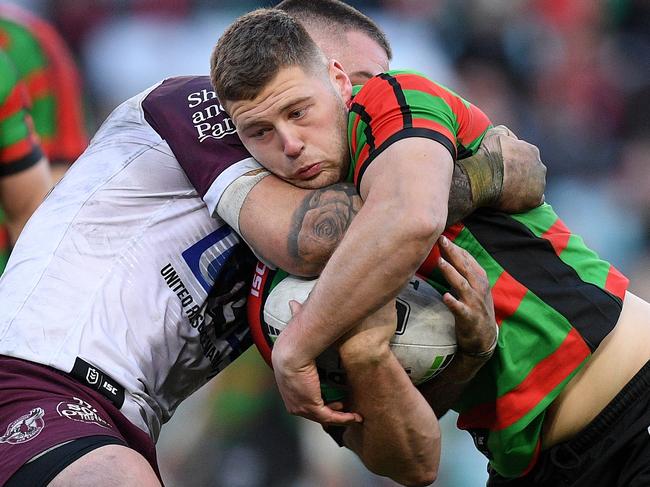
[
  {"x": 449, "y": 271},
  {"x": 481, "y": 283},
  {"x": 464, "y": 286}
]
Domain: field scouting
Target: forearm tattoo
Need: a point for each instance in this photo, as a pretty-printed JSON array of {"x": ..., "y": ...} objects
[
  {"x": 320, "y": 222},
  {"x": 460, "y": 197}
]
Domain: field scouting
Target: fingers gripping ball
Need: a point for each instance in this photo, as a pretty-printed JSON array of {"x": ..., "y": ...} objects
[{"x": 424, "y": 342}]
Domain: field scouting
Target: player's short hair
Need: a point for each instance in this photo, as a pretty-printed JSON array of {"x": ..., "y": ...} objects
[
  {"x": 337, "y": 18},
  {"x": 255, "y": 48}
]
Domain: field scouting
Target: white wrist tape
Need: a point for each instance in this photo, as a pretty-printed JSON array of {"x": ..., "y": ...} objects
[{"x": 232, "y": 199}]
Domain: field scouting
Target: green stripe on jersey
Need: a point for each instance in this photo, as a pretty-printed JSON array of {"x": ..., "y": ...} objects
[
  {"x": 43, "y": 112},
  {"x": 359, "y": 142},
  {"x": 23, "y": 48},
  {"x": 8, "y": 77},
  {"x": 522, "y": 436},
  {"x": 428, "y": 106},
  {"x": 13, "y": 129},
  {"x": 527, "y": 342}
]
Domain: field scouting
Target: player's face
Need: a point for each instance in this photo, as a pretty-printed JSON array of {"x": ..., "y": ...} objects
[
  {"x": 360, "y": 56},
  {"x": 296, "y": 126}
]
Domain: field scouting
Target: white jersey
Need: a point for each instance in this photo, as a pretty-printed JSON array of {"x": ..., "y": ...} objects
[{"x": 122, "y": 268}]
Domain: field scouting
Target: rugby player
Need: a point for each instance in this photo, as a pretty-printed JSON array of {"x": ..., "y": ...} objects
[
  {"x": 24, "y": 172},
  {"x": 44, "y": 67},
  {"x": 540, "y": 408},
  {"x": 126, "y": 291}
]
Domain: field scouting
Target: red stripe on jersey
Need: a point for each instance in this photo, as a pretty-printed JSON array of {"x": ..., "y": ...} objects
[
  {"x": 377, "y": 98},
  {"x": 71, "y": 127},
  {"x": 507, "y": 294},
  {"x": 430, "y": 124},
  {"x": 387, "y": 127},
  {"x": 13, "y": 103},
  {"x": 558, "y": 235},
  {"x": 616, "y": 282},
  {"x": 4, "y": 238},
  {"x": 472, "y": 122},
  {"x": 16, "y": 151},
  {"x": 431, "y": 262},
  {"x": 47, "y": 144},
  {"x": 4, "y": 40},
  {"x": 420, "y": 83},
  {"x": 255, "y": 311},
  {"x": 477, "y": 123},
  {"x": 37, "y": 83},
  {"x": 453, "y": 231},
  {"x": 546, "y": 376}
]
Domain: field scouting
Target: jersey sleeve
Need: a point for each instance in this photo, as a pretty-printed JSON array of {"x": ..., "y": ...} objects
[
  {"x": 46, "y": 66},
  {"x": 61, "y": 122},
  {"x": 19, "y": 148},
  {"x": 185, "y": 112},
  {"x": 401, "y": 104}
]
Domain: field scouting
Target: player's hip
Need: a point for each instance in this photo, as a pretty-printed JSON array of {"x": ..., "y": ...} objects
[
  {"x": 614, "y": 363},
  {"x": 611, "y": 450}
]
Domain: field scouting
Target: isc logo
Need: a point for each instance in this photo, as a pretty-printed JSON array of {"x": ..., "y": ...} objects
[
  {"x": 206, "y": 257},
  {"x": 258, "y": 279}
]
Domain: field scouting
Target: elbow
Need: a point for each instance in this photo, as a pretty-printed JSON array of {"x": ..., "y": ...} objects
[
  {"x": 421, "y": 476},
  {"x": 419, "y": 469},
  {"x": 423, "y": 469},
  {"x": 421, "y": 479},
  {"x": 419, "y": 227}
]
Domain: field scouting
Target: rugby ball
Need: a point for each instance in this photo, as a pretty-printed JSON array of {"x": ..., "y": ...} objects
[{"x": 424, "y": 342}]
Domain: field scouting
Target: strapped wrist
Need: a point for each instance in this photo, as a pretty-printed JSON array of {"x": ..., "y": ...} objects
[{"x": 484, "y": 171}]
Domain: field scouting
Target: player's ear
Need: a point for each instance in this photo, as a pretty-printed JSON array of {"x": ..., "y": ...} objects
[{"x": 339, "y": 79}]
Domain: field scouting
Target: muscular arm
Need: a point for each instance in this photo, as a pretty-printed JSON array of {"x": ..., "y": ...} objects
[
  {"x": 406, "y": 446},
  {"x": 405, "y": 194},
  {"x": 403, "y": 446},
  {"x": 298, "y": 229}
]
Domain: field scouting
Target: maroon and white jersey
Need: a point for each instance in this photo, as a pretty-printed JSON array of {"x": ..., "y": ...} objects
[{"x": 122, "y": 275}]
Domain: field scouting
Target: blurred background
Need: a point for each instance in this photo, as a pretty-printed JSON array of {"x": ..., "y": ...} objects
[{"x": 571, "y": 76}]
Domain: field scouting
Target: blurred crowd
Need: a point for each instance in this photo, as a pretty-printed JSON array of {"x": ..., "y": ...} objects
[{"x": 571, "y": 76}]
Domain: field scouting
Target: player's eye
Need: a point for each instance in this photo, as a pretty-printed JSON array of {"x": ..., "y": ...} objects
[
  {"x": 260, "y": 133},
  {"x": 297, "y": 113}
]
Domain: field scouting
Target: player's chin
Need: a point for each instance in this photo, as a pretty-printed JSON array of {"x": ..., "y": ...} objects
[{"x": 319, "y": 181}]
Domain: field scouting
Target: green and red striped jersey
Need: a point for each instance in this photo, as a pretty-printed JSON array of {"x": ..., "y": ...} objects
[
  {"x": 45, "y": 65},
  {"x": 555, "y": 300},
  {"x": 19, "y": 149}
]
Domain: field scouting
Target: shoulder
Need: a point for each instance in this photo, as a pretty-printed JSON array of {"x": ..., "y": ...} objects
[
  {"x": 23, "y": 32},
  {"x": 187, "y": 114},
  {"x": 405, "y": 87}
]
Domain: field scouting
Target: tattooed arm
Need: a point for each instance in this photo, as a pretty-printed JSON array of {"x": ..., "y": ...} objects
[{"x": 298, "y": 229}]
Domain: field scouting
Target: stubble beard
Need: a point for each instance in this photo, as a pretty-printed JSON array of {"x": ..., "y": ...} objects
[{"x": 344, "y": 151}]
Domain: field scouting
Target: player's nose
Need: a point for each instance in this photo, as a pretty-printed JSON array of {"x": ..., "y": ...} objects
[{"x": 292, "y": 145}]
